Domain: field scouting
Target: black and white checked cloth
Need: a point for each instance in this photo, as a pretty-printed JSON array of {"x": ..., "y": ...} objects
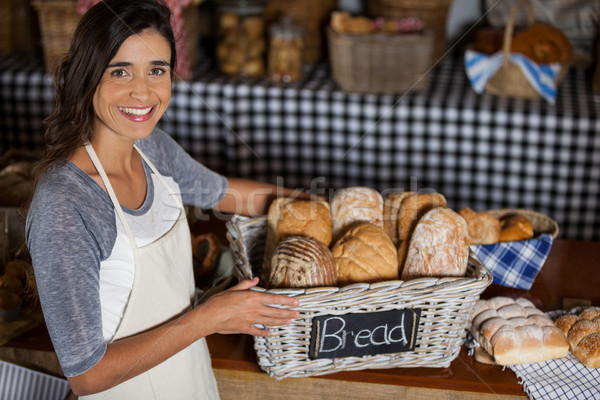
[{"x": 480, "y": 151}]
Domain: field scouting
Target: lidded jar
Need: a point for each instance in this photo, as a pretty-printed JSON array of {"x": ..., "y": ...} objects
[
  {"x": 241, "y": 37},
  {"x": 286, "y": 48}
]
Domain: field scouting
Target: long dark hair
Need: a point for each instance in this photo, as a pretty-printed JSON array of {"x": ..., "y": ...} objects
[{"x": 97, "y": 38}]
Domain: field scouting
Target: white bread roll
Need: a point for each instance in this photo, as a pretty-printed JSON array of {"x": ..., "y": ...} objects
[
  {"x": 302, "y": 262},
  {"x": 515, "y": 332},
  {"x": 439, "y": 246},
  {"x": 365, "y": 254},
  {"x": 354, "y": 205}
]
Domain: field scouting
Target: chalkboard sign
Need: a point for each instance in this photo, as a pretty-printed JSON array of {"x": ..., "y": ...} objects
[{"x": 362, "y": 334}]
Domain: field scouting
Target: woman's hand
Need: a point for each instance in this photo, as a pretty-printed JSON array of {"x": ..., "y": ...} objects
[{"x": 238, "y": 309}]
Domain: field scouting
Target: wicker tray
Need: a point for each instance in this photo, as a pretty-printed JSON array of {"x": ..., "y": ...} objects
[
  {"x": 380, "y": 63},
  {"x": 446, "y": 305}
]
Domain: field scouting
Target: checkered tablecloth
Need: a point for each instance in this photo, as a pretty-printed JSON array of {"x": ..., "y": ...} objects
[{"x": 480, "y": 151}]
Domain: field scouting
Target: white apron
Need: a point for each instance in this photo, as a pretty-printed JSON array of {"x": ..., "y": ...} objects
[{"x": 163, "y": 287}]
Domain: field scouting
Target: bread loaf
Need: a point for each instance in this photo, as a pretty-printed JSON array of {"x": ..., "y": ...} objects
[
  {"x": 275, "y": 209},
  {"x": 391, "y": 208},
  {"x": 483, "y": 228},
  {"x": 413, "y": 207},
  {"x": 515, "y": 227},
  {"x": 516, "y": 332},
  {"x": 439, "y": 246},
  {"x": 583, "y": 334},
  {"x": 365, "y": 254},
  {"x": 302, "y": 262},
  {"x": 290, "y": 217},
  {"x": 354, "y": 205}
]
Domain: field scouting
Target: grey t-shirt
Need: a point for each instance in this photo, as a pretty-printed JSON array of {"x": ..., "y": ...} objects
[{"x": 71, "y": 228}]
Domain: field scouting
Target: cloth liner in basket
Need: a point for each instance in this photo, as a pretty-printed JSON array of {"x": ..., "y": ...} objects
[
  {"x": 516, "y": 264},
  {"x": 446, "y": 305}
]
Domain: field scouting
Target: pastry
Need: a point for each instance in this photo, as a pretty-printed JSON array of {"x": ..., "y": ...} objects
[
  {"x": 543, "y": 44},
  {"x": 515, "y": 227}
]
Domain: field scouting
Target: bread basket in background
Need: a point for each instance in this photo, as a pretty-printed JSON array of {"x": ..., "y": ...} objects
[
  {"x": 380, "y": 63},
  {"x": 516, "y": 264},
  {"x": 445, "y": 306},
  {"x": 509, "y": 79}
]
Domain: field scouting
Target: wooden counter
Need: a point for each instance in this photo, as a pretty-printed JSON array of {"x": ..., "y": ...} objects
[{"x": 572, "y": 271}]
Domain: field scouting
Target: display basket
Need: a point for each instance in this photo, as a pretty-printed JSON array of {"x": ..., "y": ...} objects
[
  {"x": 445, "y": 306},
  {"x": 517, "y": 263},
  {"x": 58, "y": 20},
  {"x": 379, "y": 62},
  {"x": 509, "y": 79},
  {"x": 433, "y": 12}
]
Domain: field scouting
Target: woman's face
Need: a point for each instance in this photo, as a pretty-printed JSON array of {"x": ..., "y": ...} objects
[{"x": 135, "y": 89}]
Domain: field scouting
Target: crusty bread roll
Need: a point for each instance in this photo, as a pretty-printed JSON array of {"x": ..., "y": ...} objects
[
  {"x": 301, "y": 262},
  {"x": 365, "y": 254},
  {"x": 413, "y": 207},
  {"x": 354, "y": 205},
  {"x": 391, "y": 208},
  {"x": 583, "y": 333},
  {"x": 483, "y": 228},
  {"x": 305, "y": 218},
  {"x": 439, "y": 246},
  {"x": 588, "y": 350},
  {"x": 515, "y": 227},
  {"x": 515, "y": 332},
  {"x": 289, "y": 217}
]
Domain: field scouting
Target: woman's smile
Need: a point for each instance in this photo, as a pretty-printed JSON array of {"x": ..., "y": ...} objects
[{"x": 138, "y": 114}]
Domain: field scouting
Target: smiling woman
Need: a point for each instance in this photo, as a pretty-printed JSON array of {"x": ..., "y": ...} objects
[{"x": 107, "y": 230}]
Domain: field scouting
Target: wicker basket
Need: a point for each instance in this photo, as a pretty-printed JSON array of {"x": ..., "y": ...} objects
[
  {"x": 433, "y": 12},
  {"x": 58, "y": 19},
  {"x": 380, "y": 63},
  {"x": 509, "y": 80},
  {"x": 446, "y": 305}
]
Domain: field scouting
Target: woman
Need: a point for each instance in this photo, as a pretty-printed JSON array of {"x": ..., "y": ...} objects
[{"x": 106, "y": 228}]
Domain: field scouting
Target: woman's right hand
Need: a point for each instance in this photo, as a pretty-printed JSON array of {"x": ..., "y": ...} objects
[{"x": 238, "y": 309}]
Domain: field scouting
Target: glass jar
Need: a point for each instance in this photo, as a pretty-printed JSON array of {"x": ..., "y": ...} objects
[
  {"x": 286, "y": 46},
  {"x": 241, "y": 37}
]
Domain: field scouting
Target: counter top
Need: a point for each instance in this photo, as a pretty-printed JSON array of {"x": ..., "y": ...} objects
[{"x": 570, "y": 274}]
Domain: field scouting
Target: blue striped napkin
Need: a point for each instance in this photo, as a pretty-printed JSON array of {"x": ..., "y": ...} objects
[
  {"x": 481, "y": 67},
  {"x": 515, "y": 264}
]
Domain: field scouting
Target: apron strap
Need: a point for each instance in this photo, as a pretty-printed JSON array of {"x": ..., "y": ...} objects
[{"x": 96, "y": 161}]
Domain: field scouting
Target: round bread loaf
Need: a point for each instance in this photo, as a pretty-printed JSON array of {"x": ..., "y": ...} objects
[
  {"x": 365, "y": 254},
  {"x": 354, "y": 205},
  {"x": 302, "y": 262},
  {"x": 439, "y": 246}
]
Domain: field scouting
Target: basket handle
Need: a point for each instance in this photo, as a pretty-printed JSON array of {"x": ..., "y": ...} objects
[{"x": 510, "y": 25}]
